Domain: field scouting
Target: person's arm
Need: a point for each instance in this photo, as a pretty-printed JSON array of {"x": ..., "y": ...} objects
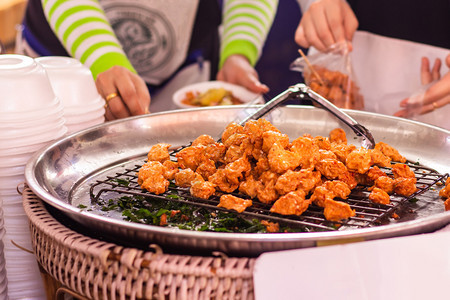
[
  {"x": 245, "y": 28},
  {"x": 83, "y": 29}
]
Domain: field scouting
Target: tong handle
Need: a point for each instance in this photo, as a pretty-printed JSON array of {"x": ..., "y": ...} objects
[
  {"x": 302, "y": 91},
  {"x": 327, "y": 105},
  {"x": 358, "y": 129},
  {"x": 289, "y": 94}
]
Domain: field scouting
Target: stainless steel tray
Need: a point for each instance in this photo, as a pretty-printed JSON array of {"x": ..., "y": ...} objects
[{"x": 61, "y": 172}]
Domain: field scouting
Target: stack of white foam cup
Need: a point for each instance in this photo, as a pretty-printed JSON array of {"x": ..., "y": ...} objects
[{"x": 41, "y": 101}]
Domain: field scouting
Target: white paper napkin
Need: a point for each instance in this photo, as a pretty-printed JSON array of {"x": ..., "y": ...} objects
[{"x": 413, "y": 267}]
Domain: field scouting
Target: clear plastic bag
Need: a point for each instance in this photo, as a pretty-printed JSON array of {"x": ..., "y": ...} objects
[
  {"x": 331, "y": 75},
  {"x": 415, "y": 104}
]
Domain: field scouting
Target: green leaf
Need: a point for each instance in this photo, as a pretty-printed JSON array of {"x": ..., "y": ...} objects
[{"x": 122, "y": 182}]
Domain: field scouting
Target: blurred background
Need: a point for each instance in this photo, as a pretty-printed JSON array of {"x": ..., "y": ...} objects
[
  {"x": 280, "y": 50},
  {"x": 11, "y": 14},
  {"x": 273, "y": 67}
]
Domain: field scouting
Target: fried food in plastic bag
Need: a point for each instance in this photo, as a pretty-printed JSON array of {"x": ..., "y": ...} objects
[{"x": 331, "y": 75}]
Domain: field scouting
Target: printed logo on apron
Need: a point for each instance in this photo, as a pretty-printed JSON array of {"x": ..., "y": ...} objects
[
  {"x": 155, "y": 35},
  {"x": 146, "y": 36}
]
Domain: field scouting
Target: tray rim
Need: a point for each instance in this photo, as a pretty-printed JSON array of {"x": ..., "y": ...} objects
[{"x": 307, "y": 239}]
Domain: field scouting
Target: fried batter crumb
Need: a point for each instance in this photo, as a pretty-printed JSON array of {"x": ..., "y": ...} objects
[
  {"x": 250, "y": 186},
  {"x": 271, "y": 226},
  {"x": 307, "y": 150},
  {"x": 281, "y": 160},
  {"x": 163, "y": 220},
  {"x": 174, "y": 212},
  {"x": 231, "y": 129},
  {"x": 374, "y": 173}
]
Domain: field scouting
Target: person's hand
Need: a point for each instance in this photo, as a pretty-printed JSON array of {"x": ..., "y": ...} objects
[
  {"x": 325, "y": 23},
  {"x": 238, "y": 70},
  {"x": 436, "y": 96},
  {"x": 126, "y": 93}
]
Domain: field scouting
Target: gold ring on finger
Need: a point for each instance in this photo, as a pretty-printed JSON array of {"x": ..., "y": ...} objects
[{"x": 109, "y": 97}]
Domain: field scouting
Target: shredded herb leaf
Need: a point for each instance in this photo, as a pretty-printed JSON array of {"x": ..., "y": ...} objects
[
  {"x": 146, "y": 210},
  {"x": 122, "y": 182}
]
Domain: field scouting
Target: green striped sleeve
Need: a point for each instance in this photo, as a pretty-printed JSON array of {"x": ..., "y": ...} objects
[
  {"x": 246, "y": 24},
  {"x": 83, "y": 29},
  {"x": 109, "y": 60}
]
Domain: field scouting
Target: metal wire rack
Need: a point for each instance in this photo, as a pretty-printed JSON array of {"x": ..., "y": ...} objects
[{"x": 368, "y": 214}]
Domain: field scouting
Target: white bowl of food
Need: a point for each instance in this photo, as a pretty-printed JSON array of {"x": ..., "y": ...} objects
[{"x": 214, "y": 93}]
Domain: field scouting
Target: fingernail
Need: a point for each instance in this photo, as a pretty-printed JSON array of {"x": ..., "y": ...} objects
[{"x": 264, "y": 87}]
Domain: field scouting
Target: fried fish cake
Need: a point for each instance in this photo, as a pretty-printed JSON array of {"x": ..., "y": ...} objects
[
  {"x": 338, "y": 136},
  {"x": 402, "y": 170},
  {"x": 151, "y": 177},
  {"x": 281, "y": 160},
  {"x": 359, "y": 161},
  {"x": 337, "y": 210},
  {"x": 405, "y": 186},
  {"x": 331, "y": 168},
  {"x": 235, "y": 203},
  {"x": 202, "y": 189},
  {"x": 293, "y": 203},
  {"x": 185, "y": 177},
  {"x": 159, "y": 152},
  {"x": 390, "y": 151},
  {"x": 307, "y": 150},
  {"x": 379, "y": 196}
]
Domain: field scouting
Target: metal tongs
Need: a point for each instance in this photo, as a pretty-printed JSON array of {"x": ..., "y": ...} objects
[{"x": 301, "y": 91}]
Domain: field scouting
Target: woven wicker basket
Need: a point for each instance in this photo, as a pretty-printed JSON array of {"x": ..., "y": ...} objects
[{"x": 100, "y": 270}]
